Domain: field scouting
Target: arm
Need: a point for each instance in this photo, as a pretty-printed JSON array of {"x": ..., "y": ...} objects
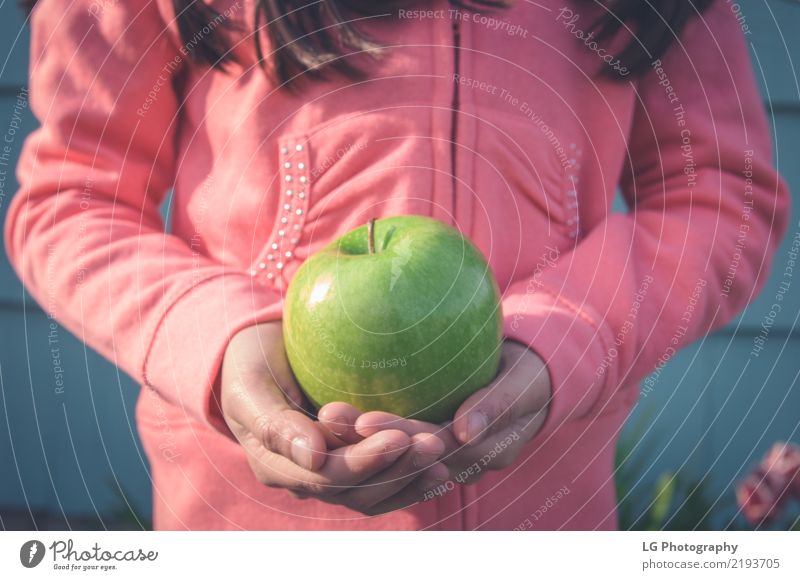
[
  {"x": 84, "y": 232},
  {"x": 702, "y": 191}
]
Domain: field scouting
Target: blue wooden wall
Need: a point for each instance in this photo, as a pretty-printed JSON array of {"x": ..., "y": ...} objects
[{"x": 714, "y": 410}]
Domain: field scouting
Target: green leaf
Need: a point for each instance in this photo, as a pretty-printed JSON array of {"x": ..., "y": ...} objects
[{"x": 663, "y": 494}]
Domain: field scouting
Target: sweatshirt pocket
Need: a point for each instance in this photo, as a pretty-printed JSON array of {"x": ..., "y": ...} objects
[{"x": 522, "y": 178}]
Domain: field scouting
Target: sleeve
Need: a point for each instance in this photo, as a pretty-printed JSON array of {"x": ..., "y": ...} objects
[
  {"x": 707, "y": 212},
  {"x": 84, "y": 232}
]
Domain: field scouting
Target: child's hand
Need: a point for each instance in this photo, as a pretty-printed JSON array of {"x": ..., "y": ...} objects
[
  {"x": 491, "y": 427},
  {"x": 263, "y": 407}
]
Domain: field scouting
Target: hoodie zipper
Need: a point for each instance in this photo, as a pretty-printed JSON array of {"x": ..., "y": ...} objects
[
  {"x": 454, "y": 108},
  {"x": 455, "y": 105}
]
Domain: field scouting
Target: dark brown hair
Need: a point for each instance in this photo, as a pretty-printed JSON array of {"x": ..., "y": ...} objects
[{"x": 311, "y": 37}]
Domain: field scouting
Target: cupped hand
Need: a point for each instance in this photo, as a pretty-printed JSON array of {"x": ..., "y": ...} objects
[
  {"x": 286, "y": 448},
  {"x": 489, "y": 429}
]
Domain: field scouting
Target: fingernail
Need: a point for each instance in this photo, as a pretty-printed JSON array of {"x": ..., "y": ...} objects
[
  {"x": 424, "y": 459},
  {"x": 301, "y": 452},
  {"x": 389, "y": 451},
  {"x": 385, "y": 448},
  {"x": 338, "y": 426},
  {"x": 477, "y": 422}
]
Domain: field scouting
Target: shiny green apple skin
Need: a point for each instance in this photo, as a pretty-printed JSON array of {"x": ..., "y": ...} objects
[{"x": 413, "y": 328}]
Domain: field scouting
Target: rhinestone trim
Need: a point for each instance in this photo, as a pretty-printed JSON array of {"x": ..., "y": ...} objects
[
  {"x": 571, "y": 203},
  {"x": 279, "y": 250}
]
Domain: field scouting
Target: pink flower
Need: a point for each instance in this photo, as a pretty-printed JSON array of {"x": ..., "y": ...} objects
[
  {"x": 766, "y": 489},
  {"x": 782, "y": 465},
  {"x": 756, "y": 499}
]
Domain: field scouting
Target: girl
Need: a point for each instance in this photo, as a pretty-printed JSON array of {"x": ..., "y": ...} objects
[{"x": 281, "y": 125}]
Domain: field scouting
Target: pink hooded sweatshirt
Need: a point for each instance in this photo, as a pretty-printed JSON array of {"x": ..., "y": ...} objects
[{"x": 499, "y": 124}]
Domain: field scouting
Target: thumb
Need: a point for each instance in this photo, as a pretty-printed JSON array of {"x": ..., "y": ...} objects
[
  {"x": 293, "y": 435},
  {"x": 262, "y": 412},
  {"x": 262, "y": 403},
  {"x": 522, "y": 387}
]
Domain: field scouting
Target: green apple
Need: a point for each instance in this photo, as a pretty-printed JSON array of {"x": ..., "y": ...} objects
[{"x": 401, "y": 315}]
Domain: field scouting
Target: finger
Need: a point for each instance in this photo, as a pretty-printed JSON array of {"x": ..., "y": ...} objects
[
  {"x": 375, "y": 421},
  {"x": 293, "y": 435},
  {"x": 425, "y": 449},
  {"x": 263, "y": 411},
  {"x": 339, "y": 419},
  {"x": 429, "y": 485},
  {"x": 521, "y": 388},
  {"x": 331, "y": 440},
  {"x": 464, "y": 461},
  {"x": 496, "y": 452},
  {"x": 344, "y": 467}
]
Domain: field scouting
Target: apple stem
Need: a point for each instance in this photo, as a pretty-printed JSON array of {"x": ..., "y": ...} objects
[{"x": 371, "y": 236}]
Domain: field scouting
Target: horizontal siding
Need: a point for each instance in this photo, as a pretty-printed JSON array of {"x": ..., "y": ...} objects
[
  {"x": 11, "y": 291},
  {"x": 774, "y": 47},
  {"x": 14, "y": 47},
  {"x": 70, "y": 414}
]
